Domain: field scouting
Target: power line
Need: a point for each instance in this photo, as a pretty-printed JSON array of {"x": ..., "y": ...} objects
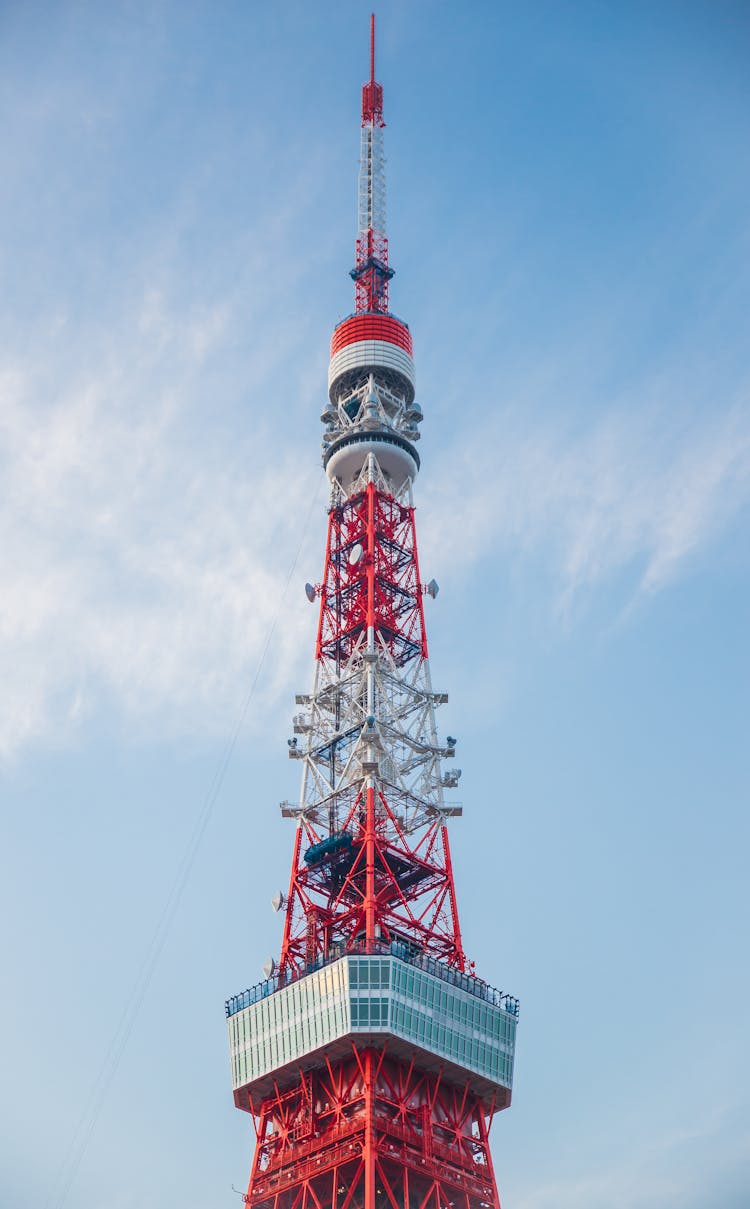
[{"x": 113, "y": 1057}]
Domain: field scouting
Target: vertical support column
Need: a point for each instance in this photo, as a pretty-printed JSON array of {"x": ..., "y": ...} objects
[
  {"x": 369, "y": 1135},
  {"x": 370, "y": 913},
  {"x": 261, "y": 1133},
  {"x": 371, "y": 928},
  {"x": 460, "y": 958},
  {"x": 420, "y": 601},
  {"x": 371, "y": 492},
  {"x": 482, "y": 1123},
  {"x": 326, "y": 570},
  {"x": 286, "y": 955}
]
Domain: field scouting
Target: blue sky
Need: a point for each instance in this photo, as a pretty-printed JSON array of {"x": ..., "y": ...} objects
[{"x": 568, "y": 217}]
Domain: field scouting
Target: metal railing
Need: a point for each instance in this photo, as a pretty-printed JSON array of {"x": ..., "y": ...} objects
[{"x": 438, "y": 969}]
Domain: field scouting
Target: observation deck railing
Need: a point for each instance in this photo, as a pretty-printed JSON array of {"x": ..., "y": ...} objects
[{"x": 456, "y": 978}]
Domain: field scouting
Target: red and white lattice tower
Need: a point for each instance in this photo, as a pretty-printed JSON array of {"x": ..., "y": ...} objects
[{"x": 372, "y": 1058}]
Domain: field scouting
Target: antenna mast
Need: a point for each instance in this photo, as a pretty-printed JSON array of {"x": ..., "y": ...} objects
[{"x": 371, "y": 272}]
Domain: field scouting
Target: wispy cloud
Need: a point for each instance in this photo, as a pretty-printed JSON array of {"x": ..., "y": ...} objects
[
  {"x": 634, "y": 490},
  {"x": 143, "y": 563}
]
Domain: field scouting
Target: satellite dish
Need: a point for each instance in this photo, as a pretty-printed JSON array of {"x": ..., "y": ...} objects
[
  {"x": 278, "y": 901},
  {"x": 310, "y": 592},
  {"x": 355, "y": 554},
  {"x": 432, "y": 588},
  {"x": 269, "y": 968}
]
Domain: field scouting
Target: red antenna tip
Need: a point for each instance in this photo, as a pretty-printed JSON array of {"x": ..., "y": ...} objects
[{"x": 372, "y": 93}]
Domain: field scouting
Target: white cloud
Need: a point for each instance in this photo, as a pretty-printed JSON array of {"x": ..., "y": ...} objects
[
  {"x": 144, "y": 556},
  {"x": 632, "y": 491}
]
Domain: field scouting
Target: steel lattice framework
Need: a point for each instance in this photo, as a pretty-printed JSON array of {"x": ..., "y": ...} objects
[
  {"x": 372, "y": 1058},
  {"x": 372, "y": 757}
]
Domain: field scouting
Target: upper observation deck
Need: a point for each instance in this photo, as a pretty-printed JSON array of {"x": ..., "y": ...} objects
[{"x": 378, "y": 1000}]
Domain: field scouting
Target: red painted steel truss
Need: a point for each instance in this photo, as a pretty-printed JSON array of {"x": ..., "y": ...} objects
[
  {"x": 371, "y": 577},
  {"x": 379, "y": 888},
  {"x": 371, "y": 274},
  {"x": 388, "y": 879},
  {"x": 372, "y": 1132}
]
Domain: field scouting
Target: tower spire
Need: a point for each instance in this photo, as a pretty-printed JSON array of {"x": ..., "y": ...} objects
[
  {"x": 371, "y": 272},
  {"x": 372, "y": 92}
]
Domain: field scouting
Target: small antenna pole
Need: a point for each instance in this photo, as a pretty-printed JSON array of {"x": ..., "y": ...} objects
[{"x": 371, "y": 272}]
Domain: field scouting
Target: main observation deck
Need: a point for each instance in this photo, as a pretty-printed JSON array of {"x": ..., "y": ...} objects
[{"x": 435, "y": 1016}]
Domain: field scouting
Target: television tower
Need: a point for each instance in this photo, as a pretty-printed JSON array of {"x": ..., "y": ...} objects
[{"x": 371, "y": 1058}]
